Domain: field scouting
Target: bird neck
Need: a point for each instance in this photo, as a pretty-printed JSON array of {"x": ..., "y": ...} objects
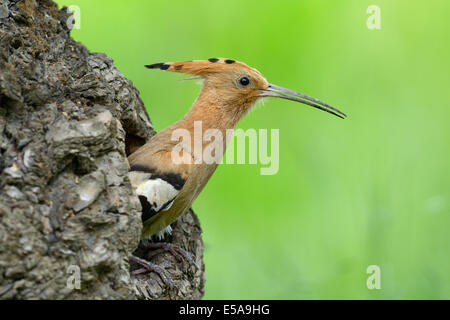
[
  {"x": 215, "y": 110},
  {"x": 214, "y": 113}
]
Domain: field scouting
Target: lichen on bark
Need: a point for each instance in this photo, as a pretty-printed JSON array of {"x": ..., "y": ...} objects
[{"x": 68, "y": 120}]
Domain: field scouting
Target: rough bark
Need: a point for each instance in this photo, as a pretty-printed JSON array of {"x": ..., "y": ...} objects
[{"x": 68, "y": 120}]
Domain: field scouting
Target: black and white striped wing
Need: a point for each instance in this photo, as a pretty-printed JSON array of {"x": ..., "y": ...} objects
[{"x": 156, "y": 191}]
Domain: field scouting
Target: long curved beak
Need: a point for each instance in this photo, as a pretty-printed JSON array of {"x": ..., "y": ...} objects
[{"x": 280, "y": 92}]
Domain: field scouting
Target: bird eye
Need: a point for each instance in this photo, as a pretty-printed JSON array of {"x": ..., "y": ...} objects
[{"x": 244, "y": 81}]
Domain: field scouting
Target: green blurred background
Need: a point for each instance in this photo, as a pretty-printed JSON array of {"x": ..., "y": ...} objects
[{"x": 373, "y": 189}]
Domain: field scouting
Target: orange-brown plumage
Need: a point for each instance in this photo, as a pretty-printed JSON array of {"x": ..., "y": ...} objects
[{"x": 230, "y": 89}]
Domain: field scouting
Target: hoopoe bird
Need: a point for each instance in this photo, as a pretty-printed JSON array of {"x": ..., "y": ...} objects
[{"x": 167, "y": 188}]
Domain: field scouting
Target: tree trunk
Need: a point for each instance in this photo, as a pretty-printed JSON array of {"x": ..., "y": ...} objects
[{"x": 68, "y": 120}]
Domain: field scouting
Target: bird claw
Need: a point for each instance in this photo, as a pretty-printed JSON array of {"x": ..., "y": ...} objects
[
  {"x": 151, "y": 267},
  {"x": 179, "y": 253}
]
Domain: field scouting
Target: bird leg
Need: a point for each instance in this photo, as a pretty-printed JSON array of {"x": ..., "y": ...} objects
[
  {"x": 151, "y": 267},
  {"x": 179, "y": 253},
  {"x": 155, "y": 249}
]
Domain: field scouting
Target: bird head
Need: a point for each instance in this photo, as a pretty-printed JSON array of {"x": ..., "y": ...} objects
[{"x": 235, "y": 83}]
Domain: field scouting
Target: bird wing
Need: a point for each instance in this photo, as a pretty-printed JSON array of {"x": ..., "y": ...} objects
[{"x": 157, "y": 182}]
